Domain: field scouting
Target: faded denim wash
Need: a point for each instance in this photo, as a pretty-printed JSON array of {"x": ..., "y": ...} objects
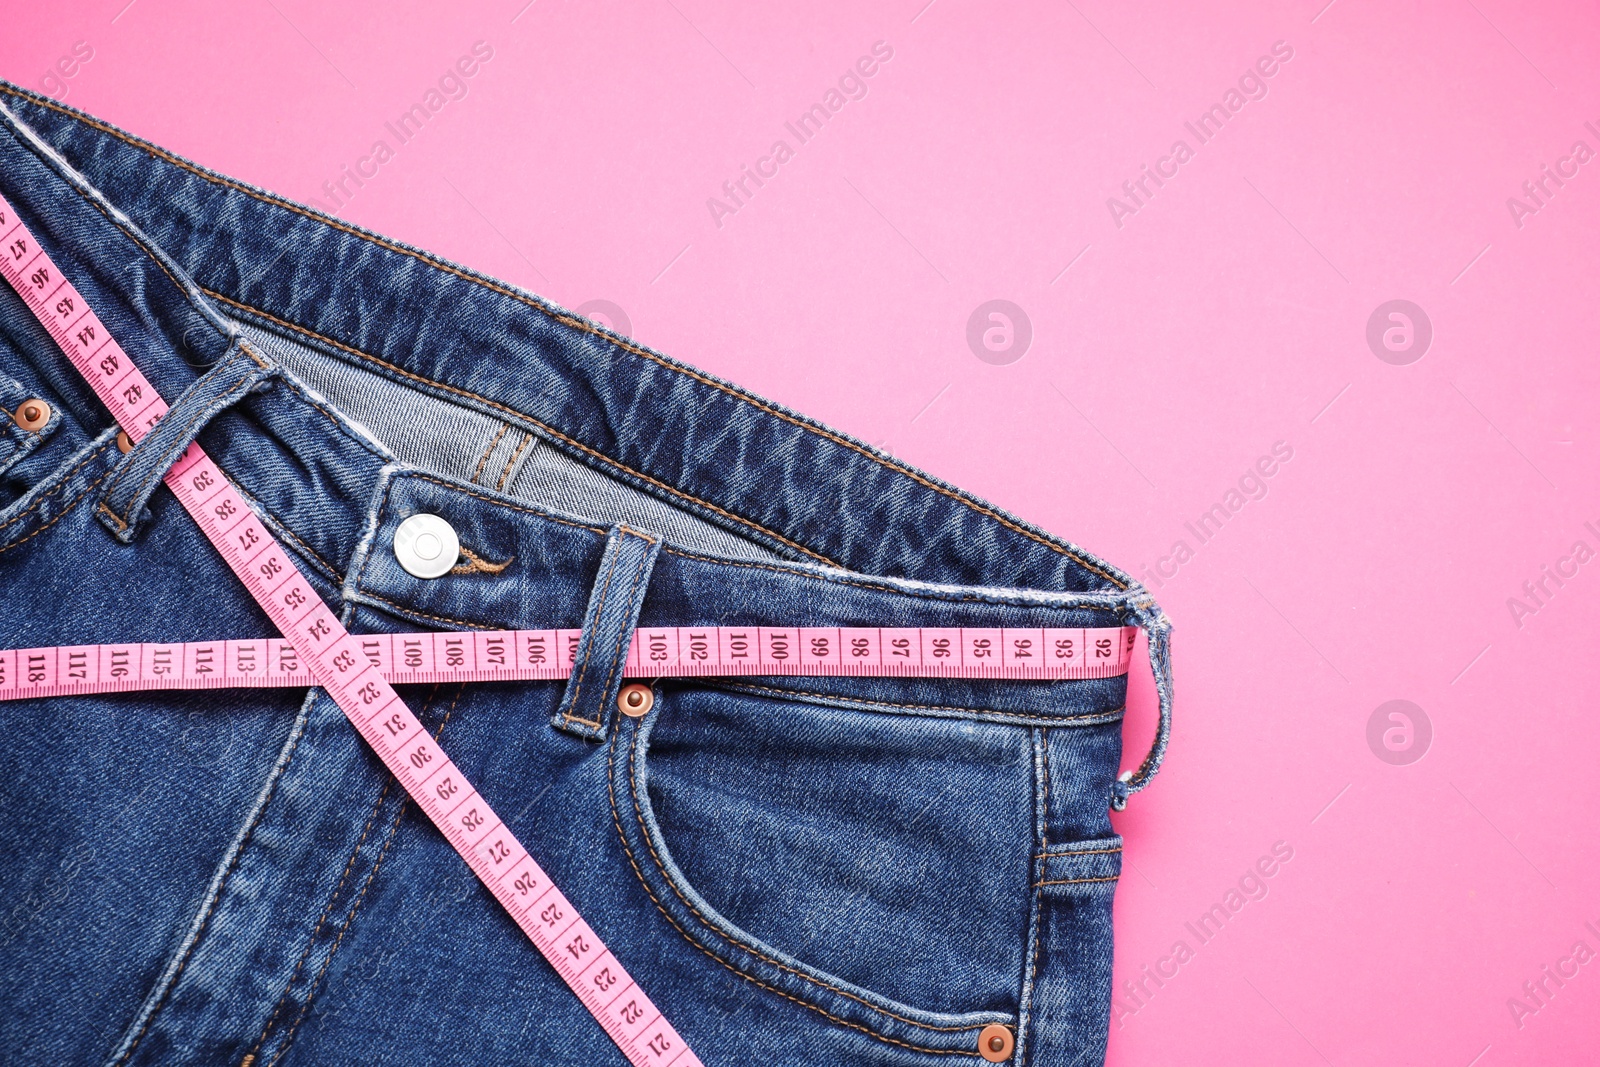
[{"x": 844, "y": 871}]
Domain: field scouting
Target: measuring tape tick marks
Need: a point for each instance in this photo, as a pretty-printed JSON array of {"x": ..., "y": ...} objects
[
  {"x": 546, "y": 655},
  {"x": 334, "y": 659},
  {"x": 359, "y": 672}
]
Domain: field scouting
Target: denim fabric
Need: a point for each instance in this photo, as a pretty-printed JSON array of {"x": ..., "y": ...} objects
[{"x": 849, "y": 871}]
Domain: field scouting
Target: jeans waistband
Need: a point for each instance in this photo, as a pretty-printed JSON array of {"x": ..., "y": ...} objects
[
  {"x": 769, "y": 473},
  {"x": 185, "y": 265}
]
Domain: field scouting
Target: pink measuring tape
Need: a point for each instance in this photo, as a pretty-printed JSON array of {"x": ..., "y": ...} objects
[
  {"x": 547, "y": 655},
  {"x": 358, "y": 671}
]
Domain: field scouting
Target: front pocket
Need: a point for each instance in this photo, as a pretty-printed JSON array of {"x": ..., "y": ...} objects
[{"x": 874, "y": 868}]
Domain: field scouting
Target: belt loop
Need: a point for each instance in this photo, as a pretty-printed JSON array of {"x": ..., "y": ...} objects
[
  {"x": 123, "y": 507},
  {"x": 590, "y": 700},
  {"x": 1158, "y": 635}
]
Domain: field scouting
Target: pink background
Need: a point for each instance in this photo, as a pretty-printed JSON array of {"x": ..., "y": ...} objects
[{"x": 1227, "y": 313}]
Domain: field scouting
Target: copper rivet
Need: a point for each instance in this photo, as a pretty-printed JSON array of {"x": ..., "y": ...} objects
[
  {"x": 995, "y": 1043},
  {"x": 636, "y": 700},
  {"x": 33, "y": 414},
  {"x": 123, "y": 444}
]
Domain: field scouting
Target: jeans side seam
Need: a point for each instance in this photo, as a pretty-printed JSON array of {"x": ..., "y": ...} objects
[{"x": 1040, "y": 739}]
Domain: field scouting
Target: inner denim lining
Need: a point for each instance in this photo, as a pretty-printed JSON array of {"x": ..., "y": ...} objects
[{"x": 457, "y": 442}]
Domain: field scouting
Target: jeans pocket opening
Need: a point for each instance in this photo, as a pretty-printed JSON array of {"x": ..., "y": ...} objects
[{"x": 699, "y": 922}]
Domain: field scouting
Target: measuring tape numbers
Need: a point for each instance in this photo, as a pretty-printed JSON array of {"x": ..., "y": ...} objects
[
  {"x": 360, "y": 672},
  {"x": 334, "y": 660},
  {"x": 547, "y": 655}
]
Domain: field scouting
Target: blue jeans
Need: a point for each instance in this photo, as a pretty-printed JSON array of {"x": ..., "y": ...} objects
[{"x": 848, "y": 871}]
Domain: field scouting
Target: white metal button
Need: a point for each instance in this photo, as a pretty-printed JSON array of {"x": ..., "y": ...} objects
[{"x": 426, "y": 546}]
